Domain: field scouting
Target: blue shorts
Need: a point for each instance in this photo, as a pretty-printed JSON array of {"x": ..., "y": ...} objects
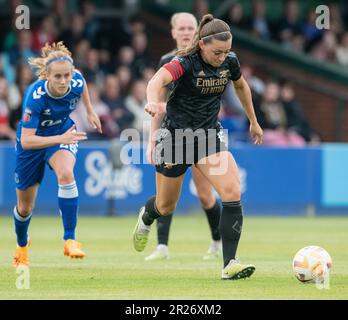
[{"x": 30, "y": 164}]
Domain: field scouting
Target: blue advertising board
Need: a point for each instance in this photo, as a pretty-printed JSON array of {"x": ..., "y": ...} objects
[{"x": 273, "y": 181}]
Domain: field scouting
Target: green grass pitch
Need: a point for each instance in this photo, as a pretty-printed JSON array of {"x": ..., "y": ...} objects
[{"x": 114, "y": 270}]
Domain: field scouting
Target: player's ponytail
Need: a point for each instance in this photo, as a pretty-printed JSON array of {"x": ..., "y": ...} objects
[
  {"x": 208, "y": 29},
  {"x": 49, "y": 54}
]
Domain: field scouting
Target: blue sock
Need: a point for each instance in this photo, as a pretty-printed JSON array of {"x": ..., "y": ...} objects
[
  {"x": 21, "y": 227},
  {"x": 68, "y": 204}
]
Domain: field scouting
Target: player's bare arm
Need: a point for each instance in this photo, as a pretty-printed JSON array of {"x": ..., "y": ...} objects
[
  {"x": 91, "y": 115},
  {"x": 155, "y": 124},
  {"x": 154, "y": 89},
  {"x": 244, "y": 94},
  {"x": 30, "y": 140}
]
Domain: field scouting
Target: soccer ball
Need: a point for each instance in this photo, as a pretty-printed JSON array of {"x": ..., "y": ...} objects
[{"x": 312, "y": 264}]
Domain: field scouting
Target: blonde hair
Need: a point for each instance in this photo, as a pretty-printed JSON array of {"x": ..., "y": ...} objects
[
  {"x": 177, "y": 15},
  {"x": 48, "y": 53},
  {"x": 208, "y": 29}
]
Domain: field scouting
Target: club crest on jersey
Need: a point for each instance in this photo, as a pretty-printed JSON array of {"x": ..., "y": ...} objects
[
  {"x": 27, "y": 115},
  {"x": 169, "y": 165},
  {"x": 73, "y": 103},
  {"x": 224, "y": 73}
]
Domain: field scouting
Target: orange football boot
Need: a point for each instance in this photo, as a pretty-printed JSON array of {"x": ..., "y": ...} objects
[
  {"x": 72, "y": 249},
  {"x": 21, "y": 257}
]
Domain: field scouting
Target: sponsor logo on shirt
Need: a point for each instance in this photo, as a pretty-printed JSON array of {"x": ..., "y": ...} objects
[{"x": 50, "y": 123}]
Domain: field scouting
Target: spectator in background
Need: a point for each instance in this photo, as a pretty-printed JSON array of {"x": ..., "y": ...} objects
[
  {"x": 257, "y": 86},
  {"x": 296, "y": 120},
  {"x": 235, "y": 16},
  {"x": 24, "y": 77},
  {"x": 232, "y": 114},
  {"x": 135, "y": 103},
  {"x": 92, "y": 25},
  {"x": 75, "y": 31},
  {"x": 289, "y": 24},
  {"x": 105, "y": 63},
  {"x": 326, "y": 48},
  {"x": 80, "y": 53},
  {"x": 135, "y": 26},
  {"x": 148, "y": 73},
  {"x": 91, "y": 71},
  {"x": 125, "y": 57},
  {"x": 124, "y": 74},
  {"x": 112, "y": 97},
  {"x": 140, "y": 47},
  {"x": 109, "y": 126},
  {"x": 311, "y": 33},
  {"x": 60, "y": 14},
  {"x": 10, "y": 39},
  {"x": 273, "y": 119},
  {"x": 46, "y": 33},
  {"x": 6, "y": 132},
  {"x": 200, "y": 8},
  {"x": 18, "y": 55},
  {"x": 297, "y": 43},
  {"x": 336, "y": 21},
  {"x": 258, "y": 23},
  {"x": 341, "y": 50}
]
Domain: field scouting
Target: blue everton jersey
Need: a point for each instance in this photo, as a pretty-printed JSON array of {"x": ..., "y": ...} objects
[{"x": 47, "y": 114}]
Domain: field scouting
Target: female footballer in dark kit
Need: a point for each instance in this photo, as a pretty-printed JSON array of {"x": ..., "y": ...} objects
[
  {"x": 200, "y": 74},
  {"x": 184, "y": 26}
]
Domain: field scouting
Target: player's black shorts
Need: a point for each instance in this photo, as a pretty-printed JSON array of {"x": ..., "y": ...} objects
[{"x": 177, "y": 149}]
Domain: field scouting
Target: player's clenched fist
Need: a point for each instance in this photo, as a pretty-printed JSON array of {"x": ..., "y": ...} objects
[
  {"x": 152, "y": 108},
  {"x": 72, "y": 136}
]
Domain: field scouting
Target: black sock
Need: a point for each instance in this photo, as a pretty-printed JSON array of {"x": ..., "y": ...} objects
[
  {"x": 151, "y": 212},
  {"x": 163, "y": 226},
  {"x": 231, "y": 223},
  {"x": 213, "y": 215}
]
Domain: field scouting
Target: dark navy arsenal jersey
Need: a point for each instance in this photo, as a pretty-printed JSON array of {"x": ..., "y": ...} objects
[
  {"x": 166, "y": 58},
  {"x": 47, "y": 114},
  {"x": 196, "y": 95}
]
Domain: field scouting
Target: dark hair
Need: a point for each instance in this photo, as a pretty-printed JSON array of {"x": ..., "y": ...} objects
[{"x": 208, "y": 29}]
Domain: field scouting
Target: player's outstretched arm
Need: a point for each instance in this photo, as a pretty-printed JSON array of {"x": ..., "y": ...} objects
[
  {"x": 92, "y": 117},
  {"x": 155, "y": 124},
  {"x": 29, "y": 140},
  {"x": 244, "y": 94},
  {"x": 154, "y": 91}
]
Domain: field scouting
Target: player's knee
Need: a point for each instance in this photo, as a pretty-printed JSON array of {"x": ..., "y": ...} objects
[
  {"x": 230, "y": 192},
  {"x": 166, "y": 208},
  {"x": 207, "y": 199},
  {"x": 65, "y": 175},
  {"x": 24, "y": 209}
]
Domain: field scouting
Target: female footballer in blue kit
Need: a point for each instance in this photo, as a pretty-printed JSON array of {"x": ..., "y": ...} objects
[
  {"x": 46, "y": 134},
  {"x": 200, "y": 74}
]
